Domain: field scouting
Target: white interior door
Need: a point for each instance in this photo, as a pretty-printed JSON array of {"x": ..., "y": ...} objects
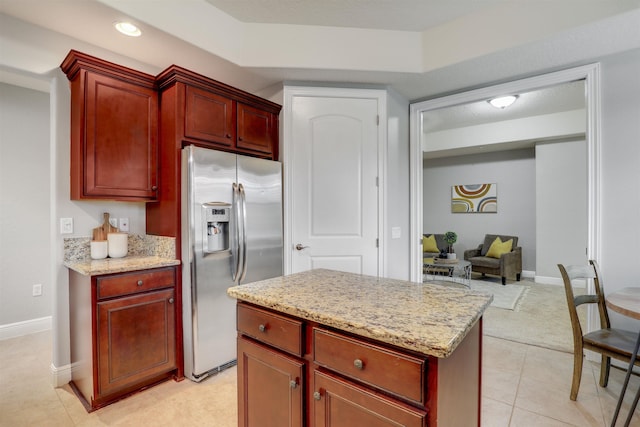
[{"x": 333, "y": 161}]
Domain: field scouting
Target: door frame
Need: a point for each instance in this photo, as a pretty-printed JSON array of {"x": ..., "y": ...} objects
[
  {"x": 591, "y": 74},
  {"x": 291, "y": 91}
]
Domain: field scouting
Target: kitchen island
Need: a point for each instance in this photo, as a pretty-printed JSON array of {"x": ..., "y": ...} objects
[{"x": 324, "y": 347}]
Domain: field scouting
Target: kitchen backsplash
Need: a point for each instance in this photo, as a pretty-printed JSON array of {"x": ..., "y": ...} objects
[{"x": 79, "y": 248}]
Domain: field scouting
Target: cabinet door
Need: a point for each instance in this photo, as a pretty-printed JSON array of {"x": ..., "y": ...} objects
[
  {"x": 209, "y": 117},
  {"x": 135, "y": 339},
  {"x": 270, "y": 387},
  {"x": 339, "y": 403},
  {"x": 257, "y": 130},
  {"x": 120, "y": 140}
]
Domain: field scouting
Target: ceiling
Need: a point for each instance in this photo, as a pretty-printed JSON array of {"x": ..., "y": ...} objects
[
  {"x": 554, "y": 99},
  {"x": 398, "y": 15},
  {"x": 419, "y": 48}
]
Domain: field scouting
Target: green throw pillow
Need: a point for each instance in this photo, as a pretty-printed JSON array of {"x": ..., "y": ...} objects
[
  {"x": 429, "y": 244},
  {"x": 498, "y": 247}
]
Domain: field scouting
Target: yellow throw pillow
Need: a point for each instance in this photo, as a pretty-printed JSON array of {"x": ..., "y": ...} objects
[
  {"x": 498, "y": 247},
  {"x": 429, "y": 244}
]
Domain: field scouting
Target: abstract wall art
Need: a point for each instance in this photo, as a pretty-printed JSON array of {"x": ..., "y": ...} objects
[{"x": 474, "y": 198}]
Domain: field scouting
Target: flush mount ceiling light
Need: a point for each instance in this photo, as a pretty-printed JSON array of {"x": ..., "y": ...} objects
[
  {"x": 127, "y": 28},
  {"x": 503, "y": 101}
]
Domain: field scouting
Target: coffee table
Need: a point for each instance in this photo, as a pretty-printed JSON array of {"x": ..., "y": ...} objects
[{"x": 458, "y": 271}]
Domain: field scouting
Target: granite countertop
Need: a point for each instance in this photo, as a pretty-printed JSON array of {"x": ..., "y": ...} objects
[
  {"x": 427, "y": 318},
  {"x": 144, "y": 252},
  {"x": 95, "y": 267}
]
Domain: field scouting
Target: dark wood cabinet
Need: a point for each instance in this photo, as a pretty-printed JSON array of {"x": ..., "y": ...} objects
[
  {"x": 257, "y": 130},
  {"x": 123, "y": 333},
  {"x": 340, "y": 403},
  {"x": 348, "y": 380},
  {"x": 272, "y": 387},
  {"x": 114, "y": 130},
  {"x": 206, "y": 112}
]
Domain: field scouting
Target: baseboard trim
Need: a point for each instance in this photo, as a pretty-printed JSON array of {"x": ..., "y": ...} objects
[
  {"x": 60, "y": 375},
  {"x": 528, "y": 274},
  {"x": 545, "y": 280},
  {"x": 18, "y": 329}
]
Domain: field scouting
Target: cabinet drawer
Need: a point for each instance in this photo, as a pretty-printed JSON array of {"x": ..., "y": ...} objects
[
  {"x": 270, "y": 328},
  {"x": 400, "y": 374},
  {"x": 138, "y": 281}
]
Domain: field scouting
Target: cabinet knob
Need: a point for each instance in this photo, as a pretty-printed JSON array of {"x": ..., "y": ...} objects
[
  {"x": 316, "y": 395},
  {"x": 293, "y": 383},
  {"x": 358, "y": 364},
  {"x": 170, "y": 300},
  {"x": 139, "y": 282},
  {"x": 239, "y": 138},
  {"x": 262, "y": 328},
  {"x": 228, "y": 136},
  {"x": 154, "y": 187}
]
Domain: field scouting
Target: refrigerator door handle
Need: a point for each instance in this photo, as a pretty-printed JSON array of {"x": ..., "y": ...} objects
[
  {"x": 236, "y": 232},
  {"x": 243, "y": 212}
]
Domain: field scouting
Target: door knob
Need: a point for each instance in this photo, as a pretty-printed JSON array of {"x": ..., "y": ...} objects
[{"x": 299, "y": 247}]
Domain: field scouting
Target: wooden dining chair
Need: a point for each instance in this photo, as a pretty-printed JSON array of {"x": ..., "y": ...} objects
[{"x": 607, "y": 341}]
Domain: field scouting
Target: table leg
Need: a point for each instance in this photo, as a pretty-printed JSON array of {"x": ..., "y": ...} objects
[{"x": 624, "y": 389}]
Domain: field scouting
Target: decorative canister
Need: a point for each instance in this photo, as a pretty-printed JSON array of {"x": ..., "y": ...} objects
[
  {"x": 99, "y": 249},
  {"x": 118, "y": 244}
]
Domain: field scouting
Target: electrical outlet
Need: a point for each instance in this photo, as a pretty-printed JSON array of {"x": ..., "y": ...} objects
[
  {"x": 124, "y": 224},
  {"x": 113, "y": 222},
  {"x": 37, "y": 290},
  {"x": 66, "y": 225}
]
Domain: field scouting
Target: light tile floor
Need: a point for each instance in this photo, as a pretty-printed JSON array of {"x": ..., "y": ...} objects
[{"x": 523, "y": 385}]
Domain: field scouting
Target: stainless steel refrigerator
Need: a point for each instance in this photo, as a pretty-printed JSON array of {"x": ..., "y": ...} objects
[{"x": 231, "y": 234}]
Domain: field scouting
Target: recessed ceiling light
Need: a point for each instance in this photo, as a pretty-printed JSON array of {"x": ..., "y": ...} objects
[
  {"x": 503, "y": 101},
  {"x": 127, "y": 28}
]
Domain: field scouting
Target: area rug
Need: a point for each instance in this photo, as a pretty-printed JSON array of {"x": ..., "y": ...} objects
[{"x": 504, "y": 297}]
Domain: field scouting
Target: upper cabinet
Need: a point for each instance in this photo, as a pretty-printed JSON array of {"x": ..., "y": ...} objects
[
  {"x": 209, "y": 113},
  {"x": 127, "y": 129},
  {"x": 114, "y": 130}
]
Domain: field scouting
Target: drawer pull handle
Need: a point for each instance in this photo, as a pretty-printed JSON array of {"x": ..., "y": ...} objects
[
  {"x": 293, "y": 383},
  {"x": 139, "y": 282},
  {"x": 170, "y": 300},
  {"x": 358, "y": 364},
  {"x": 262, "y": 328},
  {"x": 316, "y": 395}
]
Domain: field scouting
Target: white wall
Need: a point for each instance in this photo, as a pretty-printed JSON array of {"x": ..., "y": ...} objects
[
  {"x": 397, "y": 187},
  {"x": 514, "y": 173},
  {"x": 561, "y": 208},
  {"x": 620, "y": 177},
  {"x": 24, "y": 208}
]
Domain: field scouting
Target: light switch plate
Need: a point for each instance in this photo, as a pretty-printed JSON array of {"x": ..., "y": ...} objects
[
  {"x": 396, "y": 232},
  {"x": 124, "y": 224}
]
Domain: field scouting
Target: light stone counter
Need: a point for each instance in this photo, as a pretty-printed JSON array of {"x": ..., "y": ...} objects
[
  {"x": 427, "y": 318},
  {"x": 144, "y": 252}
]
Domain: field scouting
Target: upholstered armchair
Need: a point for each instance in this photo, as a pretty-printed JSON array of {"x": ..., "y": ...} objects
[
  {"x": 497, "y": 257},
  {"x": 428, "y": 249}
]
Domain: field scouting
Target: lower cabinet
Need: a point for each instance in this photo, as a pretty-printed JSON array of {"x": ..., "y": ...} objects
[
  {"x": 272, "y": 386},
  {"x": 341, "y": 403},
  {"x": 286, "y": 378},
  {"x": 123, "y": 333}
]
